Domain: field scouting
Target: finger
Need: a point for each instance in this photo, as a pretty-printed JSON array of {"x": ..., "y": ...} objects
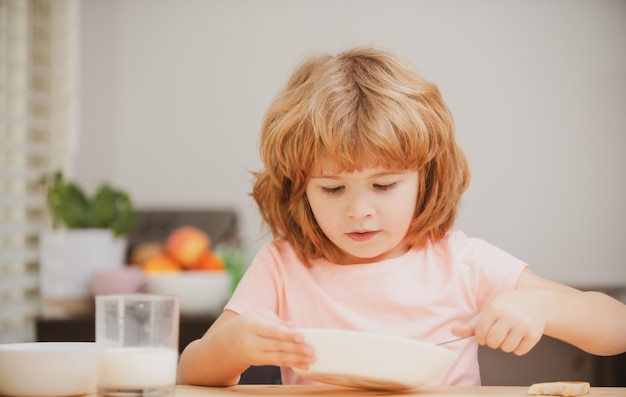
[
  {"x": 482, "y": 328},
  {"x": 281, "y": 334},
  {"x": 523, "y": 347},
  {"x": 289, "y": 354},
  {"x": 254, "y": 345},
  {"x": 497, "y": 334},
  {"x": 277, "y": 345},
  {"x": 290, "y": 360},
  {"x": 263, "y": 351},
  {"x": 274, "y": 328},
  {"x": 466, "y": 329},
  {"x": 527, "y": 343},
  {"x": 512, "y": 341}
]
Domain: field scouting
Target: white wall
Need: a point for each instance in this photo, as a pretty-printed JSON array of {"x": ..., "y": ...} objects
[{"x": 173, "y": 93}]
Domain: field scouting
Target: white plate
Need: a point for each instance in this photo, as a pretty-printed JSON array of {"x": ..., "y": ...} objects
[
  {"x": 44, "y": 369},
  {"x": 372, "y": 361},
  {"x": 200, "y": 292}
]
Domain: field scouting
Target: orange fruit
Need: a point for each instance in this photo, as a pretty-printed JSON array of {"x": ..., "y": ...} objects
[
  {"x": 144, "y": 251},
  {"x": 161, "y": 263},
  {"x": 210, "y": 261},
  {"x": 186, "y": 245}
]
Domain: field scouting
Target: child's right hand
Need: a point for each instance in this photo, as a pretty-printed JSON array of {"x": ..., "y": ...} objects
[{"x": 261, "y": 338}]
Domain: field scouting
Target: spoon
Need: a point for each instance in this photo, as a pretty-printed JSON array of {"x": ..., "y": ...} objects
[{"x": 454, "y": 340}]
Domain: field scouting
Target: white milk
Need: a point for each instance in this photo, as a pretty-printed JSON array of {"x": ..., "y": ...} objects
[{"x": 137, "y": 367}]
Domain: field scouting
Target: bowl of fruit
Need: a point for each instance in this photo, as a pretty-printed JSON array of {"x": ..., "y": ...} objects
[{"x": 185, "y": 265}]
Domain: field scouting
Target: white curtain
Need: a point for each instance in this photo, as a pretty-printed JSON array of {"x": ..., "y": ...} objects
[{"x": 38, "y": 108}]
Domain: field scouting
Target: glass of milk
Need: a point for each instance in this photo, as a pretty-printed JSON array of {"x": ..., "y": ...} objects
[{"x": 137, "y": 340}]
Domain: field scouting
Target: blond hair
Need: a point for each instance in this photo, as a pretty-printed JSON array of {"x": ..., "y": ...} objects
[{"x": 359, "y": 105}]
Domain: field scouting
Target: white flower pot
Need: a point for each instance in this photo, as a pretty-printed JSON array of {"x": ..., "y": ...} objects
[{"x": 69, "y": 258}]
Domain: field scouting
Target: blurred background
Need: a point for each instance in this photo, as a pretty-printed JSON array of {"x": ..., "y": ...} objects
[
  {"x": 165, "y": 99},
  {"x": 172, "y": 95}
]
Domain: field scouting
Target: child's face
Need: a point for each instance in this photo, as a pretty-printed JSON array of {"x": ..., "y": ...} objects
[{"x": 365, "y": 213}]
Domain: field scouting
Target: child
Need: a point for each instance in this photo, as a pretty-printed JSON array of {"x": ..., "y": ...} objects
[{"x": 361, "y": 185}]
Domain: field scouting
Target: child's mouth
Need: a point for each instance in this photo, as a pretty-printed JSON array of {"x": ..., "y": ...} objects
[{"x": 362, "y": 236}]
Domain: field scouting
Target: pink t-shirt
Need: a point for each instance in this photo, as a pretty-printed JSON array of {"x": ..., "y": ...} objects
[{"x": 420, "y": 295}]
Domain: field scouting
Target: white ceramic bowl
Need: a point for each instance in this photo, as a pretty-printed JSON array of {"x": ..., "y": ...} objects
[
  {"x": 44, "y": 369},
  {"x": 372, "y": 361},
  {"x": 200, "y": 292}
]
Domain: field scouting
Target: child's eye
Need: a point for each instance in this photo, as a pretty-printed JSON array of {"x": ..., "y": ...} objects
[
  {"x": 384, "y": 187},
  {"x": 332, "y": 190}
]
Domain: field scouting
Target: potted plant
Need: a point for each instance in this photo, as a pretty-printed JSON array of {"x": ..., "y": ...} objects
[{"x": 88, "y": 234}]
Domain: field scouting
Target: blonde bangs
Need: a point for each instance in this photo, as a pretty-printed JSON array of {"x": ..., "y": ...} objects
[{"x": 373, "y": 139}]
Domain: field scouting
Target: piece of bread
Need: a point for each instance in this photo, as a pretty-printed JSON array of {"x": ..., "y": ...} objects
[{"x": 565, "y": 388}]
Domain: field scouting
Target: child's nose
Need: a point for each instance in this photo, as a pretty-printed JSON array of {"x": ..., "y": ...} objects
[{"x": 360, "y": 207}]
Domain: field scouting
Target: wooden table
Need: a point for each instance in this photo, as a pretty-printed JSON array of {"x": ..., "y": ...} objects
[{"x": 333, "y": 391}]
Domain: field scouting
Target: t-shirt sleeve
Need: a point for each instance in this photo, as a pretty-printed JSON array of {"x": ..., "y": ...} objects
[
  {"x": 259, "y": 285},
  {"x": 490, "y": 270}
]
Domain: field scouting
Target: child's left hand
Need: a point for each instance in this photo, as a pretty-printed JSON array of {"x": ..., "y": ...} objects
[{"x": 513, "y": 321}]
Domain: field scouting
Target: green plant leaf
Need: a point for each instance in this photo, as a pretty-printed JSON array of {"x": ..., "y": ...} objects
[
  {"x": 102, "y": 211},
  {"x": 69, "y": 207},
  {"x": 67, "y": 202},
  {"x": 74, "y": 207},
  {"x": 125, "y": 216}
]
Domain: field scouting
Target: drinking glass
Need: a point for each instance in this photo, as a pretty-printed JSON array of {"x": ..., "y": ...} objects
[{"x": 137, "y": 340}]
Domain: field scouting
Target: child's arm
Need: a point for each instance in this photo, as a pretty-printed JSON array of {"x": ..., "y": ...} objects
[
  {"x": 235, "y": 342},
  {"x": 515, "y": 321}
]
